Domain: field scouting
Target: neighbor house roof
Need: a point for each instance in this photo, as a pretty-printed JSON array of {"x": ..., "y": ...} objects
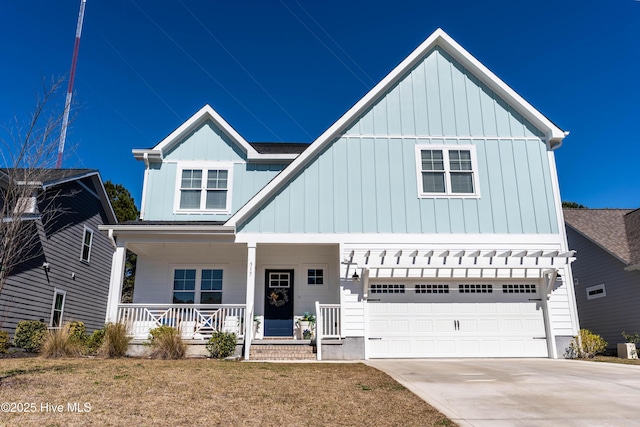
[
  {"x": 52, "y": 177},
  {"x": 615, "y": 230}
]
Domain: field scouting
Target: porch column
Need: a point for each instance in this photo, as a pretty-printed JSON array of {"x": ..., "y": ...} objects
[
  {"x": 251, "y": 291},
  {"x": 115, "y": 284}
]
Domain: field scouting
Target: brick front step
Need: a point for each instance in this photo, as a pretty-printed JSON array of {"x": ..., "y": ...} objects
[{"x": 281, "y": 352}]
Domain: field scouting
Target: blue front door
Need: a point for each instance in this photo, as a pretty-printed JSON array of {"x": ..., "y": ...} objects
[{"x": 278, "y": 306}]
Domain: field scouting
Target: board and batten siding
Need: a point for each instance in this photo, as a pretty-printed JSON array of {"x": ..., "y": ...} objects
[
  {"x": 370, "y": 185},
  {"x": 28, "y": 293},
  {"x": 619, "y": 310},
  {"x": 365, "y": 181},
  {"x": 206, "y": 144}
]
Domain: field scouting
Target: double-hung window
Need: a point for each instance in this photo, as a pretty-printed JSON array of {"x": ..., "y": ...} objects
[
  {"x": 197, "y": 285},
  {"x": 87, "y": 240},
  {"x": 203, "y": 189},
  {"x": 57, "y": 310},
  {"x": 447, "y": 171}
]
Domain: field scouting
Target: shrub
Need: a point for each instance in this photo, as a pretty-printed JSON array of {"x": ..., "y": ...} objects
[
  {"x": 116, "y": 340},
  {"x": 166, "y": 343},
  {"x": 592, "y": 344},
  {"x": 94, "y": 341},
  {"x": 61, "y": 342},
  {"x": 29, "y": 335},
  {"x": 633, "y": 339},
  {"x": 221, "y": 344},
  {"x": 77, "y": 331},
  {"x": 4, "y": 341}
]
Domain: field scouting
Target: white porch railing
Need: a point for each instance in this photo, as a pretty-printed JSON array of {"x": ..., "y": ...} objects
[
  {"x": 195, "y": 321},
  {"x": 327, "y": 324}
]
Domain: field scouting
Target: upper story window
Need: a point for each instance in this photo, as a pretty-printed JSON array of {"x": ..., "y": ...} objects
[
  {"x": 203, "y": 189},
  {"x": 447, "y": 171},
  {"x": 87, "y": 240}
]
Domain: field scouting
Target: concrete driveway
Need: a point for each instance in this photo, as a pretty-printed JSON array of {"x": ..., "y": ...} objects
[{"x": 523, "y": 392}]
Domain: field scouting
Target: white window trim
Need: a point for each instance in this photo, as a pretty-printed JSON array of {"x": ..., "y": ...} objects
[
  {"x": 205, "y": 167},
  {"x": 84, "y": 235},
  {"x": 323, "y": 267},
  {"x": 56, "y": 292},
  {"x": 445, "y": 151},
  {"x": 198, "y": 268},
  {"x": 595, "y": 288}
]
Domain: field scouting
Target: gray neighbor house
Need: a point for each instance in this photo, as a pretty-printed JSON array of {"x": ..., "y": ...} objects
[
  {"x": 606, "y": 270},
  {"x": 66, "y": 275}
]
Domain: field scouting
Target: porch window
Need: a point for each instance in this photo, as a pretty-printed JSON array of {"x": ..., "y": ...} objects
[
  {"x": 87, "y": 240},
  {"x": 315, "y": 276},
  {"x": 58, "y": 308},
  {"x": 197, "y": 285},
  {"x": 184, "y": 286},
  {"x": 211, "y": 287},
  {"x": 446, "y": 170},
  {"x": 204, "y": 189}
]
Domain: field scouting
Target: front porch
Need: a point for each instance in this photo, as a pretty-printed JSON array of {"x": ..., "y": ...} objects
[{"x": 198, "y": 322}]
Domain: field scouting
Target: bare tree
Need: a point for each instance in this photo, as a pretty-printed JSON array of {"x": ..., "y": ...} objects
[{"x": 29, "y": 151}]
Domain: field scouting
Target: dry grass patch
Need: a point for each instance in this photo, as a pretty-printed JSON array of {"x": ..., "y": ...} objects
[
  {"x": 209, "y": 392},
  {"x": 611, "y": 359}
]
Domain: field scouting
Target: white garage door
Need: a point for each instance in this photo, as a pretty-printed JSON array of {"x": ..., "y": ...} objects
[{"x": 455, "y": 320}]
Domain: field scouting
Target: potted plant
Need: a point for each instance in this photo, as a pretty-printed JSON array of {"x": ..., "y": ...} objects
[
  {"x": 305, "y": 326},
  {"x": 627, "y": 350},
  {"x": 256, "y": 325}
]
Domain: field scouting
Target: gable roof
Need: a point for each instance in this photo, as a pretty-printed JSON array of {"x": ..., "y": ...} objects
[
  {"x": 438, "y": 38},
  {"x": 254, "y": 152},
  {"x": 52, "y": 177},
  {"x": 617, "y": 231}
]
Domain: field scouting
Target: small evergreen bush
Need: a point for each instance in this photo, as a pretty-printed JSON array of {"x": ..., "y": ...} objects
[
  {"x": 116, "y": 340},
  {"x": 166, "y": 343},
  {"x": 221, "y": 344},
  {"x": 94, "y": 341},
  {"x": 78, "y": 331},
  {"x": 4, "y": 341},
  {"x": 29, "y": 335},
  {"x": 61, "y": 342}
]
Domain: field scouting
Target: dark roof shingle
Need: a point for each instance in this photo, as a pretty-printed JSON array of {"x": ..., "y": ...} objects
[{"x": 605, "y": 227}]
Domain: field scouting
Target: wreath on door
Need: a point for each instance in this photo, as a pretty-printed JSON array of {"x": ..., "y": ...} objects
[{"x": 278, "y": 297}]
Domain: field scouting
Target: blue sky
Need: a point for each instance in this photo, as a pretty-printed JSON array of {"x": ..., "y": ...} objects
[{"x": 285, "y": 70}]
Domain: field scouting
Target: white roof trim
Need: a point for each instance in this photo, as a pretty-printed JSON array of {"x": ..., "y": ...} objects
[
  {"x": 166, "y": 229},
  {"x": 439, "y": 38},
  {"x": 203, "y": 115}
]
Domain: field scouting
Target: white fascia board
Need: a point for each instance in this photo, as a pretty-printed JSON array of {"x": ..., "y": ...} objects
[
  {"x": 205, "y": 113},
  {"x": 552, "y": 132},
  {"x": 166, "y": 229},
  {"x": 403, "y": 241},
  {"x": 437, "y": 38}
]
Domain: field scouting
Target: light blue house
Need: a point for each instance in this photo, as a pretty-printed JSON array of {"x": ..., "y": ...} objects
[{"x": 425, "y": 222}]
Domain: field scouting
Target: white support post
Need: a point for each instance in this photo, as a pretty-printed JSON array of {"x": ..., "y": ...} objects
[
  {"x": 251, "y": 291},
  {"x": 115, "y": 284},
  {"x": 548, "y": 280},
  {"x": 319, "y": 331}
]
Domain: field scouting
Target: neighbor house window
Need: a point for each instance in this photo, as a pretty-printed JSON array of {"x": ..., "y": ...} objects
[
  {"x": 197, "y": 285},
  {"x": 597, "y": 291},
  {"x": 447, "y": 170},
  {"x": 58, "y": 309},
  {"x": 203, "y": 189},
  {"x": 87, "y": 239}
]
